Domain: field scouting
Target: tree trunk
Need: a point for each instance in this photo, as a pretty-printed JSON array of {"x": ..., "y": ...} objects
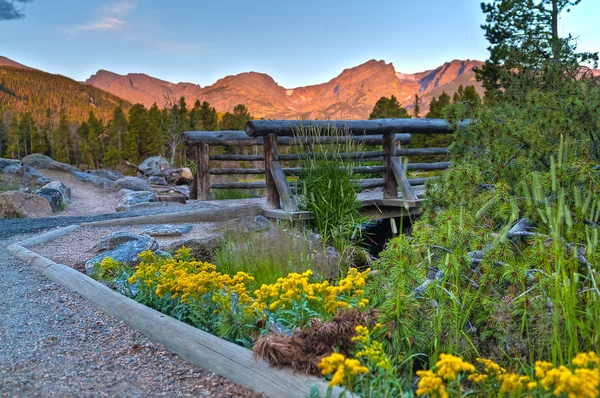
[{"x": 555, "y": 39}]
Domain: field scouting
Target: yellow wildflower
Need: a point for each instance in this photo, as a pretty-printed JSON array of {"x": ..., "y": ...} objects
[
  {"x": 491, "y": 367},
  {"x": 478, "y": 377},
  {"x": 448, "y": 366},
  {"x": 586, "y": 359},
  {"x": 512, "y": 382},
  {"x": 343, "y": 369},
  {"x": 431, "y": 384},
  {"x": 582, "y": 383},
  {"x": 541, "y": 368}
]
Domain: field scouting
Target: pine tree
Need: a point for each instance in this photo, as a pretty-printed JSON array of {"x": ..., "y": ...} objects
[
  {"x": 436, "y": 107},
  {"x": 524, "y": 41},
  {"x": 208, "y": 117},
  {"x": 236, "y": 120},
  {"x": 49, "y": 128},
  {"x": 63, "y": 139},
  {"x": 388, "y": 108},
  {"x": 154, "y": 140},
  {"x": 417, "y": 108},
  {"x": 138, "y": 127},
  {"x": 14, "y": 138},
  {"x": 27, "y": 127},
  {"x": 117, "y": 132}
]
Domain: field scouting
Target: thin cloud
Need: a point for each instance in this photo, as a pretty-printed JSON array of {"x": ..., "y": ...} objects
[
  {"x": 111, "y": 18},
  {"x": 120, "y": 8},
  {"x": 10, "y": 9}
]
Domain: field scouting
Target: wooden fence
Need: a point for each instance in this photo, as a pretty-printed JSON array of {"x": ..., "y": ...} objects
[{"x": 387, "y": 135}]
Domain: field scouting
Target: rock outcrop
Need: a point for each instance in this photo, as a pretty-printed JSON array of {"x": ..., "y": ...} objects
[{"x": 15, "y": 204}]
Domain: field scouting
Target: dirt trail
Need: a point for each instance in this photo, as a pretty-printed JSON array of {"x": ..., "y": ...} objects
[
  {"x": 53, "y": 343},
  {"x": 86, "y": 199}
]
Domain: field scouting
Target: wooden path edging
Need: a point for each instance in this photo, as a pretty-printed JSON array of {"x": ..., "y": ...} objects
[
  {"x": 202, "y": 215},
  {"x": 203, "y": 349}
]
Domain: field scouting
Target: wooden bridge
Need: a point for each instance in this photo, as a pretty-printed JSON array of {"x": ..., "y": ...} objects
[{"x": 399, "y": 195}]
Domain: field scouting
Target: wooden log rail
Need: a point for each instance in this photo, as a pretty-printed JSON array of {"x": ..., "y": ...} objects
[{"x": 387, "y": 134}]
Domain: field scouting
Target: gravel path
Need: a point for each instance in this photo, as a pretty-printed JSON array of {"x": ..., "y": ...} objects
[{"x": 54, "y": 343}]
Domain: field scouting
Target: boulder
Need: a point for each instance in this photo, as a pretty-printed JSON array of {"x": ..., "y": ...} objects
[
  {"x": 66, "y": 191},
  {"x": 113, "y": 241},
  {"x": 179, "y": 176},
  {"x": 96, "y": 181},
  {"x": 16, "y": 204},
  {"x": 155, "y": 166},
  {"x": 182, "y": 189},
  {"x": 55, "y": 198},
  {"x": 156, "y": 180},
  {"x": 126, "y": 253},
  {"x": 203, "y": 249},
  {"x": 133, "y": 183},
  {"x": 166, "y": 230},
  {"x": 14, "y": 169},
  {"x": 112, "y": 175},
  {"x": 39, "y": 161},
  {"x": 35, "y": 177},
  {"x": 7, "y": 162},
  {"x": 132, "y": 198}
]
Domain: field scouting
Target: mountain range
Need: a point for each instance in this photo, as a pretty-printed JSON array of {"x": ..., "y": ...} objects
[{"x": 351, "y": 95}]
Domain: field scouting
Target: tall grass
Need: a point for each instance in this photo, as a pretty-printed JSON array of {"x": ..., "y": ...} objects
[
  {"x": 328, "y": 189},
  {"x": 269, "y": 255}
]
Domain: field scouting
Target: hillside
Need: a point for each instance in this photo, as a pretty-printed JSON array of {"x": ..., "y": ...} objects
[
  {"x": 24, "y": 89},
  {"x": 351, "y": 95}
]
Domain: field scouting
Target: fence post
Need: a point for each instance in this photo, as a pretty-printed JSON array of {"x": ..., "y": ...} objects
[
  {"x": 202, "y": 180},
  {"x": 270, "y": 149},
  {"x": 390, "y": 188}
]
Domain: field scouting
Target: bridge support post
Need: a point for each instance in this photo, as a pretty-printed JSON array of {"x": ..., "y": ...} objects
[
  {"x": 271, "y": 154},
  {"x": 201, "y": 187},
  {"x": 390, "y": 187}
]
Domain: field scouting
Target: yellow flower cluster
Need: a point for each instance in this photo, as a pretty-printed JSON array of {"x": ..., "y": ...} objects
[
  {"x": 372, "y": 350},
  {"x": 108, "y": 265},
  {"x": 296, "y": 287},
  {"x": 431, "y": 384},
  {"x": 191, "y": 280},
  {"x": 448, "y": 366},
  {"x": 583, "y": 380},
  {"x": 343, "y": 369}
]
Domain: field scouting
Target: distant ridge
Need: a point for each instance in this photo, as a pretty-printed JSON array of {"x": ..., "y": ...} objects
[
  {"x": 350, "y": 95},
  {"x": 9, "y": 62}
]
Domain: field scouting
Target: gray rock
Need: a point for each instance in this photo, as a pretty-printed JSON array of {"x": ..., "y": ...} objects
[
  {"x": 166, "y": 230},
  {"x": 126, "y": 253},
  {"x": 15, "y": 204},
  {"x": 160, "y": 253},
  {"x": 181, "y": 176},
  {"x": 113, "y": 241},
  {"x": 7, "y": 162},
  {"x": 55, "y": 198},
  {"x": 203, "y": 249},
  {"x": 124, "y": 192},
  {"x": 156, "y": 180},
  {"x": 182, "y": 189},
  {"x": 133, "y": 183},
  {"x": 155, "y": 166},
  {"x": 133, "y": 198},
  {"x": 14, "y": 169},
  {"x": 112, "y": 175},
  {"x": 58, "y": 185},
  {"x": 96, "y": 181},
  {"x": 40, "y": 161}
]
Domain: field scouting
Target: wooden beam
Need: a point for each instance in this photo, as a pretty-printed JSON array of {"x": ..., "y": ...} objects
[
  {"x": 390, "y": 188},
  {"x": 283, "y": 187},
  {"x": 400, "y": 176},
  {"x": 270, "y": 154},
  {"x": 289, "y": 128},
  {"x": 240, "y": 138},
  {"x": 287, "y": 215},
  {"x": 239, "y": 185},
  {"x": 203, "y": 172}
]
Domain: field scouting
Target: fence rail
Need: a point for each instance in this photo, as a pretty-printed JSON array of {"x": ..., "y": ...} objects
[{"x": 388, "y": 134}]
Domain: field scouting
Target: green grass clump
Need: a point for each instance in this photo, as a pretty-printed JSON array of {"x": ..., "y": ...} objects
[
  {"x": 8, "y": 184},
  {"x": 268, "y": 255},
  {"x": 226, "y": 194}
]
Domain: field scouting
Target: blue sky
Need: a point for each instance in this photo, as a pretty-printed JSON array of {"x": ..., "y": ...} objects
[{"x": 297, "y": 42}]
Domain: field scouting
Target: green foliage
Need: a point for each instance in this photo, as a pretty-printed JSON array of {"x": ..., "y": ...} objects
[
  {"x": 226, "y": 194},
  {"x": 268, "y": 255},
  {"x": 417, "y": 107},
  {"x": 524, "y": 41},
  {"x": 328, "y": 189},
  {"x": 38, "y": 91},
  {"x": 388, "y": 108},
  {"x": 236, "y": 120}
]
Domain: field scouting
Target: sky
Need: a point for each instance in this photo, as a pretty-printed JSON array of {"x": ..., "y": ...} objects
[{"x": 297, "y": 42}]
